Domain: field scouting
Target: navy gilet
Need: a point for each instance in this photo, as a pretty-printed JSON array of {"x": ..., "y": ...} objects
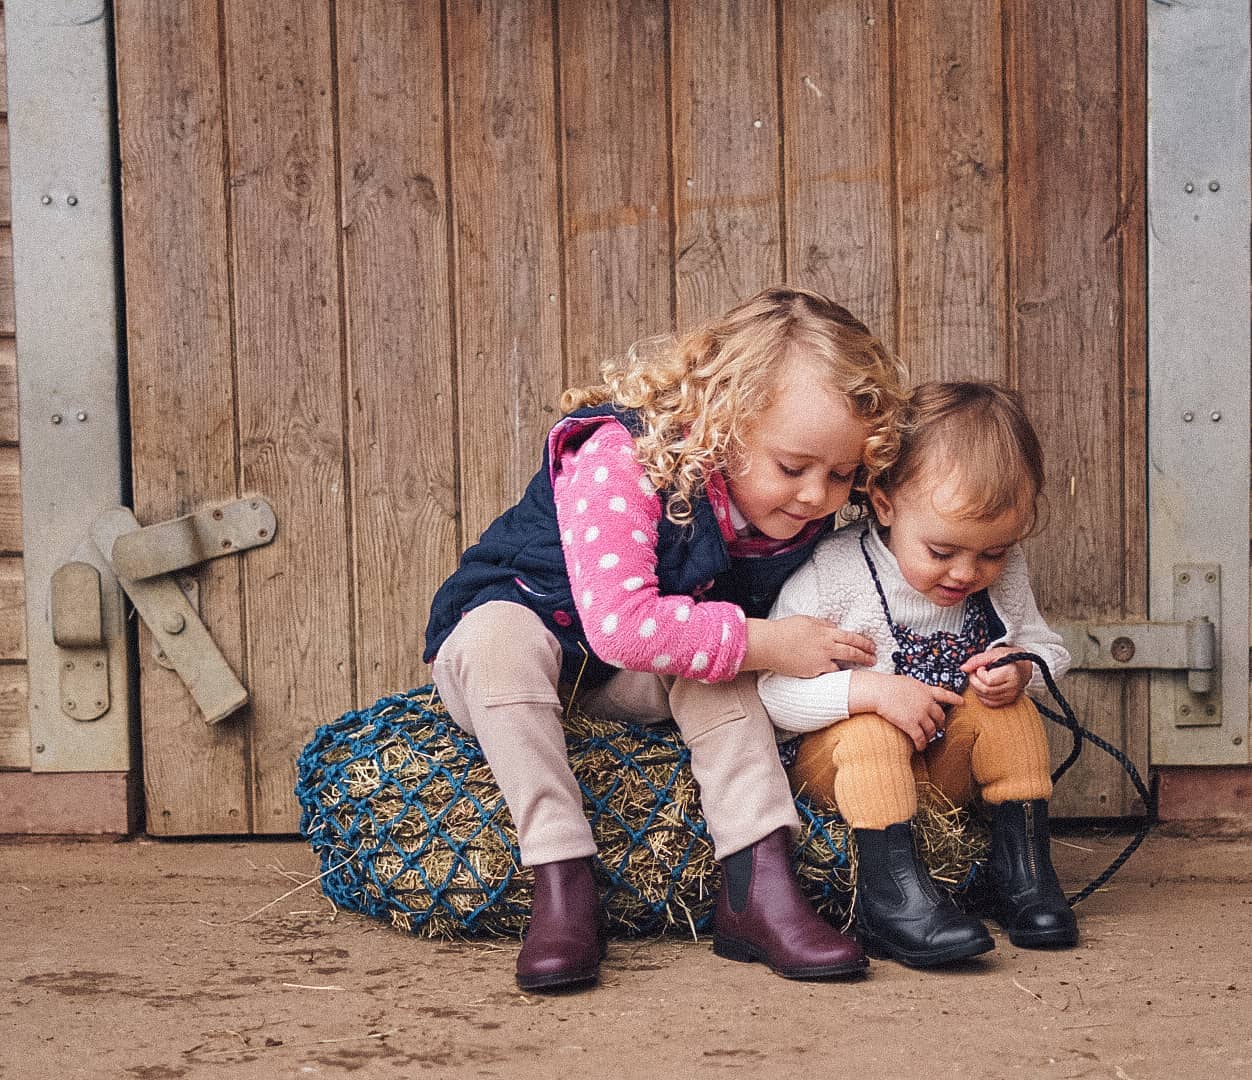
[{"x": 519, "y": 559}]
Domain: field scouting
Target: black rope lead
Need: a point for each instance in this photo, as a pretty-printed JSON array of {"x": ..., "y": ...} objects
[{"x": 1067, "y": 719}]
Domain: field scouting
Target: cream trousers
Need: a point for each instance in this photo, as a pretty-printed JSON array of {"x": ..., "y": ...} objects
[{"x": 497, "y": 674}]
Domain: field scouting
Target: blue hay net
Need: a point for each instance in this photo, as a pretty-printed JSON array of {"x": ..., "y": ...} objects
[{"x": 400, "y": 807}]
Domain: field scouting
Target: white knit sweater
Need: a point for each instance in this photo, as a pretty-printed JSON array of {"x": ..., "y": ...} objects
[{"x": 834, "y": 583}]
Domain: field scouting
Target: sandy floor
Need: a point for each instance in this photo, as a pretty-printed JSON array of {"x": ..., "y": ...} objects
[{"x": 164, "y": 960}]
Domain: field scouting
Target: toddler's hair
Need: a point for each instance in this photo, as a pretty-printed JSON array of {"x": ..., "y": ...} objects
[
  {"x": 977, "y": 432},
  {"x": 697, "y": 394}
]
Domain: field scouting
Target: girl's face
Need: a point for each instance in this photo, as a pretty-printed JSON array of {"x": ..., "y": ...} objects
[
  {"x": 944, "y": 555},
  {"x": 800, "y": 457}
]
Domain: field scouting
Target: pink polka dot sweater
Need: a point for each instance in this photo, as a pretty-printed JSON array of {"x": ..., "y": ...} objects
[{"x": 608, "y": 512}]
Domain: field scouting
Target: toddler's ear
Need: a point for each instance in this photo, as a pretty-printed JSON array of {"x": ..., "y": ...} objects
[{"x": 883, "y": 509}]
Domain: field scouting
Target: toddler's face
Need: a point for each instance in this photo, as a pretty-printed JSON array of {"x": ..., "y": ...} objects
[
  {"x": 801, "y": 456},
  {"x": 945, "y": 556}
]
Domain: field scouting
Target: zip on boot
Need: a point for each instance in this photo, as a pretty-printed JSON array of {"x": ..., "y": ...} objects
[
  {"x": 1026, "y": 897},
  {"x": 899, "y": 911},
  {"x": 762, "y": 915}
]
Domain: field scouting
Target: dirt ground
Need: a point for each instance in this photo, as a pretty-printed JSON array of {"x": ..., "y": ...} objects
[{"x": 151, "y": 960}]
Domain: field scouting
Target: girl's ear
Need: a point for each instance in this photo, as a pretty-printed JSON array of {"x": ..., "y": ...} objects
[{"x": 883, "y": 510}]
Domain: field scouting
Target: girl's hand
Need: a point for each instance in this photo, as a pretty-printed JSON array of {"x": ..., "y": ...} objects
[
  {"x": 803, "y": 646},
  {"x": 910, "y": 704},
  {"x": 999, "y": 687}
]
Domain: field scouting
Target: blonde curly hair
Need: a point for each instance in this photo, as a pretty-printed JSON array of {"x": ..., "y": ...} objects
[{"x": 697, "y": 395}]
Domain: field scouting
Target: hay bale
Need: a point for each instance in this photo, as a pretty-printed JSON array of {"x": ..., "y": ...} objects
[{"x": 403, "y": 812}]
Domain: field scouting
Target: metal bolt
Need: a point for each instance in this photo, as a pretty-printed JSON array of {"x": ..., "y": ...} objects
[
  {"x": 173, "y": 623},
  {"x": 1210, "y": 577},
  {"x": 217, "y": 515},
  {"x": 40, "y": 748},
  {"x": 1237, "y": 740},
  {"x": 226, "y": 543},
  {"x": 1214, "y": 186},
  {"x": 55, "y": 418},
  {"x": 46, "y": 200},
  {"x": 69, "y": 665},
  {"x": 262, "y": 533},
  {"x": 1210, "y": 710},
  {"x": 69, "y": 705},
  {"x": 98, "y": 664},
  {"x": 1188, "y": 417},
  {"x": 1188, "y": 187},
  {"x": 1185, "y": 710},
  {"x": 71, "y": 200},
  {"x": 1123, "y": 649},
  {"x": 1184, "y": 577},
  {"x": 82, "y": 417},
  {"x": 99, "y": 704},
  {"x": 1215, "y": 416},
  {"x": 758, "y": 123}
]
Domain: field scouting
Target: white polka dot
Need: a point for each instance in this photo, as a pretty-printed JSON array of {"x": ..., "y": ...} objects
[
  {"x": 578, "y": 569},
  {"x": 640, "y": 537},
  {"x": 632, "y": 583},
  {"x": 742, "y": 616},
  {"x": 588, "y": 598},
  {"x": 725, "y": 633},
  {"x": 617, "y": 504},
  {"x": 609, "y": 624},
  {"x": 683, "y": 612},
  {"x": 608, "y": 561},
  {"x": 645, "y": 485},
  {"x": 662, "y": 661},
  {"x": 721, "y": 513},
  {"x": 591, "y": 534},
  {"x": 647, "y": 628},
  {"x": 567, "y": 536},
  {"x": 593, "y": 445},
  {"x": 625, "y": 449},
  {"x": 581, "y": 505},
  {"x": 700, "y": 661},
  {"x": 600, "y": 475}
]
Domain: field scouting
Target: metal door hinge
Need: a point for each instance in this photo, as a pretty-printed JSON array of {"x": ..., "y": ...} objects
[{"x": 78, "y": 632}]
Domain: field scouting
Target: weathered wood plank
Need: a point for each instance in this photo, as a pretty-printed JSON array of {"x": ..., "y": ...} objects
[
  {"x": 10, "y": 501},
  {"x": 1064, "y": 128},
  {"x": 7, "y": 317},
  {"x": 836, "y": 92},
  {"x": 401, "y": 371},
  {"x": 12, "y": 609},
  {"x": 8, "y": 390},
  {"x": 728, "y": 241},
  {"x": 950, "y": 154},
  {"x": 504, "y": 169},
  {"x": 617, "y": 198},
  {"x": 284, "y": 226},
  {"x": 14, "y": 718},
  {"x": 182, "y": 401},
  {"x": 6, "y": 178},
  {"x": 67, "y": 804}
]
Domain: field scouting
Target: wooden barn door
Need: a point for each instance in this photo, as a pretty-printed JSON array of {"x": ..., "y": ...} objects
[{"x": 368, "y": 243}]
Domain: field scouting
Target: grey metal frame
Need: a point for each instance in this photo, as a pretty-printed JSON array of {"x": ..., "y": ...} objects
[
  {"x": 61, "y": 125},
  {"x": 1199, "y": 272}
]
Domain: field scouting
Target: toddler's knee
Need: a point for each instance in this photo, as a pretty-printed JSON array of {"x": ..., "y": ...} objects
[{"x": 868, "y": 735}]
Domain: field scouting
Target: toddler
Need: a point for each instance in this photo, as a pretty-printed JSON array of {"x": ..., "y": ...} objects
[{"x": 938, "y": 581}]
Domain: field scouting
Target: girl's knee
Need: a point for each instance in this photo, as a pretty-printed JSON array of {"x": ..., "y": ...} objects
[{"x": 868, "y": 735}]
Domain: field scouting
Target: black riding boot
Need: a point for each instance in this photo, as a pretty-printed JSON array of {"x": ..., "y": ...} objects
[
  {"x": 1026, "y": 898},
  {"x": 899, "y": 911}
]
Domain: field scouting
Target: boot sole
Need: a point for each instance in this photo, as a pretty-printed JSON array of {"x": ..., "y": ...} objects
[
  {"x": 1046, "y": 939},
  {"x": 881, "y": 949},
  {"x": 559, "y": 980},
  {"x": 743, "y": 953}
]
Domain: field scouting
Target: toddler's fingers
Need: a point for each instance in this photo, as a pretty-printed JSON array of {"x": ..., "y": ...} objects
[
  {"x": 947, "y": 697},
  {"x": 851, "y": 654}
]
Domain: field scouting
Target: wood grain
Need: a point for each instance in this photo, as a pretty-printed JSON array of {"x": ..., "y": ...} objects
[
  {"x": 1064, "y": 131},
  {"x": 182, "y": 401},
  {"x": 727, "y": 199},
  {"x": 836, "y": 93},
  {"x": 508, "y": 273},
  {"x": 7, "y": 316},
  {"x": 399, "y": 331},
  {"x": 14, "y": 717},
  {"x": 284, "y": 226},
  {"x": 10, "y": 502},
  {"x": 617, "y": 199},
  {"x": 950, "y": 154},
  {"x": 12, "y": 609},
  {"x": 8, "y": 390}
]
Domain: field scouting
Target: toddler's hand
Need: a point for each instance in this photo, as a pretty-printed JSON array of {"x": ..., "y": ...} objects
[
  {"x": 1001, "y": 686},
  {"x": 913, "y": 706},
  {"x": 804, "y": 646}
]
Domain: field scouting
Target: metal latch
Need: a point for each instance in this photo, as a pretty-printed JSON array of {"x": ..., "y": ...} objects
[
  {"x": 1190, "y": 643},
  {"x": 78, "y": 631},
  {"x": 145, "y": 559},
  {"x": 1189, "y": 646}
]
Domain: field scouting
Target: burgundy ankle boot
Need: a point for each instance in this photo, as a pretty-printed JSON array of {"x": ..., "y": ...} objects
[
  {"x": 762, "y": 915},
  {"x": 565, "y": 941}
]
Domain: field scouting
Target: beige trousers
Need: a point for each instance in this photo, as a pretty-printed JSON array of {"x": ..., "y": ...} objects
[
  {"x": 497, "y": 674},
  {"x": 868, "y": 769}
]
